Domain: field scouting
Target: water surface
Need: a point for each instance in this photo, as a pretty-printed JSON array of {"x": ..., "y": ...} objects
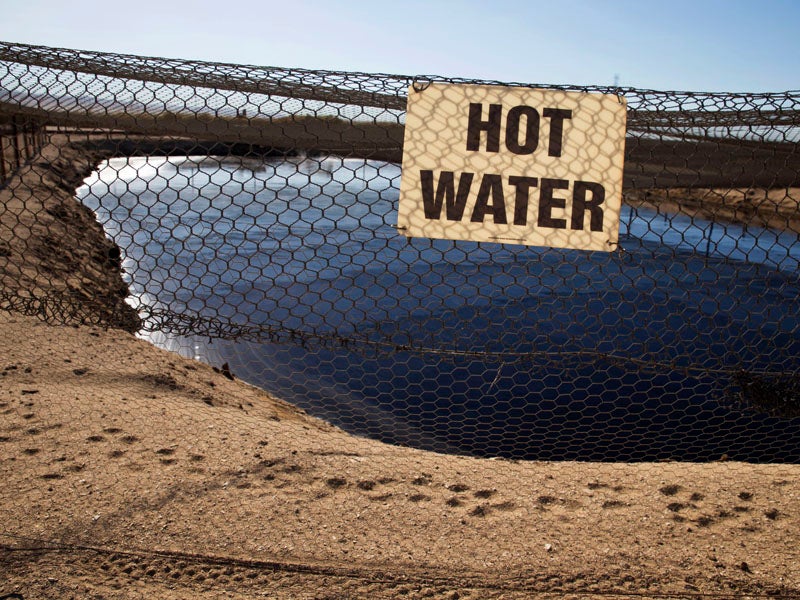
[{"x": 484, "y": 349}]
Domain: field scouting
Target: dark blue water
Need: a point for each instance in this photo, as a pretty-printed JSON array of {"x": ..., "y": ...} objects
[{"x": 482, "y": 349}]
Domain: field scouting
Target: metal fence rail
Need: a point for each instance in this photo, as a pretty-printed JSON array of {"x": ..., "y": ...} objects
[{"x": 255, "y": 208}]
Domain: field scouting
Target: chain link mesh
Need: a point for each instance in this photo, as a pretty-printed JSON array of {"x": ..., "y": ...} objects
[
  {"x": 247, "y": 216},
  {"x": 255, "y": 209}
]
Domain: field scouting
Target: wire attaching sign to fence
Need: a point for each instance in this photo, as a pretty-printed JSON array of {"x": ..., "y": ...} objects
[{"x": 539, "y": 167}]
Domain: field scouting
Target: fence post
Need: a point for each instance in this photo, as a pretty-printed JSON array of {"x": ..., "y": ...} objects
[
  {"x": 2, "y": 160},
  {"x": 26, "y": 147},
  {"x": 30, "y": 142},
  {"x": 15, "y": 143}
]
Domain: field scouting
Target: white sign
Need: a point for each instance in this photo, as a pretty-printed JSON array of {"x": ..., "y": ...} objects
[{"x": 515, "y": 165}]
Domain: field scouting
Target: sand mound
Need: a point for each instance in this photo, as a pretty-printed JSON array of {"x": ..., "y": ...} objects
[{"x": 131, "y": 472}]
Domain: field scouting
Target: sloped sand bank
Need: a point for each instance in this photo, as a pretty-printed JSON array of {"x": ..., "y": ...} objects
[
  {"x": 132, "y": 472},
  {"x": 129, "y": 472}
]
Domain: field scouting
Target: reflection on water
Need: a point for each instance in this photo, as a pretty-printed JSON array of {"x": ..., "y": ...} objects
[{"x": 310, "y": 245}]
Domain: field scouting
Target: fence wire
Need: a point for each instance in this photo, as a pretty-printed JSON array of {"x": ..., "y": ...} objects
[
  {"x": 247, "y": 216},
  {"x": 253, "y": 217}
]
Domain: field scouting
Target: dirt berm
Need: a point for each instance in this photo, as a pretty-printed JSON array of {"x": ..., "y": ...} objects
[{"x": 130, "y": 472}]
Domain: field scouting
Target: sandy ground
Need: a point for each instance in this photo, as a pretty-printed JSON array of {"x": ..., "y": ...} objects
[
  {"x": 52, "y": 246},
  {"x": 132, "y": 472},
  {"x": 129, "y": 472}
]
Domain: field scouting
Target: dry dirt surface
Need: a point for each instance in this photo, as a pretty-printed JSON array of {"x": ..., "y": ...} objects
[
  {"x": 52, "y": 246},
  {"x": 130, "y": 472}
]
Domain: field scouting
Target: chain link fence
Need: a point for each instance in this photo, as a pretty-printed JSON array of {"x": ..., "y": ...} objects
[
  {"x": 253, "y": 215},
  {"x": 247, "y": 217}
]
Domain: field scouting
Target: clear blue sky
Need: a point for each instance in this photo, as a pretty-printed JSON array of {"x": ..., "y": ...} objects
[{"x": 696, "y": 45}]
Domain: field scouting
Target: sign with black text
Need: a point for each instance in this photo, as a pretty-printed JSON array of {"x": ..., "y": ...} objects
[{"x": 516, "y": 165}]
